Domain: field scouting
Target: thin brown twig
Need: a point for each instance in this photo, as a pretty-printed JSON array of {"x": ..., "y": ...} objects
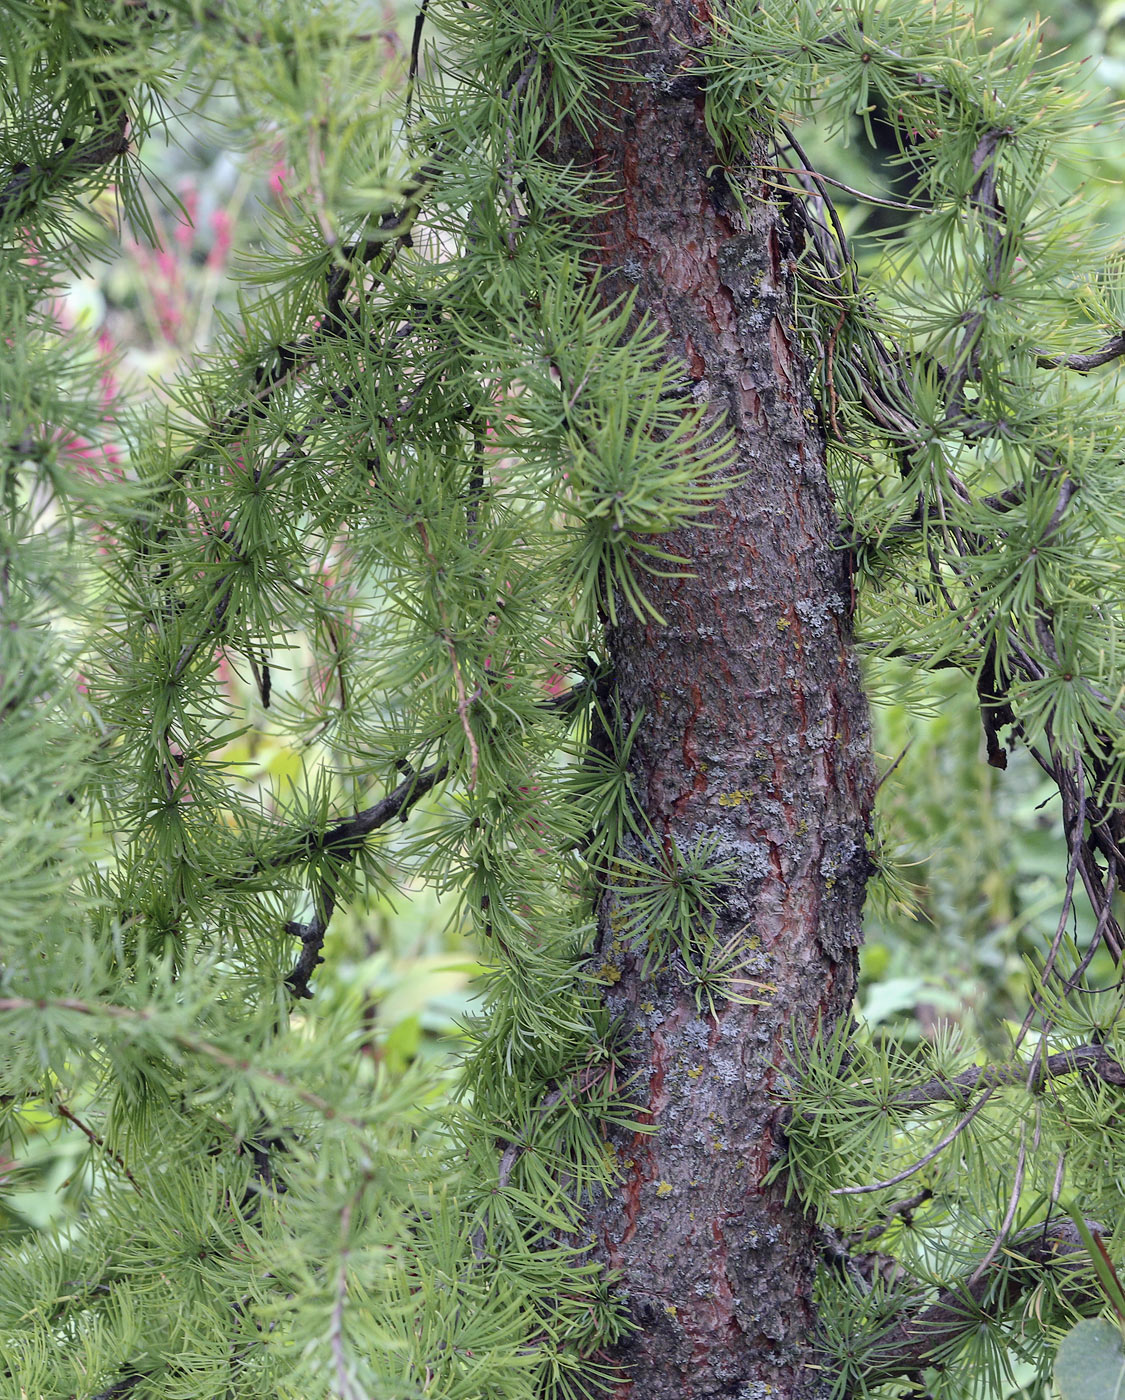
[
  {"x": 904, "y": 1209},
  {"x": 345, "y": 1386},
  {"x": 1010, "y": 1213},
  {"x": 98, "y": 1141},
  {"x": 887, "y": 772},
  {"x": 1092, "y": 1059},
  {"x": 829, "y": 352},
  {"x": 343, "y": 841}
]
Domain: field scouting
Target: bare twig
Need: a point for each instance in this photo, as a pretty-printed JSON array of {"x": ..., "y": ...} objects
[
  {"x": 122, "y": 1386},
  {"x": 888, "y": 771}
]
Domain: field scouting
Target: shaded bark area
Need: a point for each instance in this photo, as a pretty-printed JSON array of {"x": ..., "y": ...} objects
[{"x": 754, "y": 734}]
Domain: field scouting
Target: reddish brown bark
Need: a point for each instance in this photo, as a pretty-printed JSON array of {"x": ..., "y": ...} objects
[{"x": 755, "y": 733}]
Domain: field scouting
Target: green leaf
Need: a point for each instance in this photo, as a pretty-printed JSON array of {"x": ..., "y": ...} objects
[{"x": 1090, "y": 1364}]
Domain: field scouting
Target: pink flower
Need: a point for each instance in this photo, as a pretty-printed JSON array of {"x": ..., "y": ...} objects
[
  {"x": 220, "y": 250},
  {"x": 279, "y": 173}
]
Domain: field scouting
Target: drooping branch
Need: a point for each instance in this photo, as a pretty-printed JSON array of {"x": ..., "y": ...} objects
[
  {"x": 193, "y": 1044},
  {"x": 345, "y": 839},
  {"x": 343, "y": 842},
  {"x": 288, "y": 361},
  {"x": 886, "y": 395},
  {"x": 96, "y": 1140}
]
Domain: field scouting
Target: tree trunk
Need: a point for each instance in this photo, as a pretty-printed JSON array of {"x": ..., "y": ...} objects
[{"x": 755, "y": 734}]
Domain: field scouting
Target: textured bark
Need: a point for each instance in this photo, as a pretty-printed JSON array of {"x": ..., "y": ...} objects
[{"x": 754, "y": 733}]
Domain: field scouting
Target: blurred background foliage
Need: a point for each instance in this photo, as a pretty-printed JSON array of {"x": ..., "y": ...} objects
[{"x": 972, "y": 857}]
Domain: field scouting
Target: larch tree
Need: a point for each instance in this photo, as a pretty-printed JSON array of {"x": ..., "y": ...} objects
[{"x": 557, "y": 463}]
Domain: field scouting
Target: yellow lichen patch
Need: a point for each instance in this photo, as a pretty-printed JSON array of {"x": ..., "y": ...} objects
[
  {"x": 608, "y": 973},
  {"x": 732, "y": 799},
  {"x": 664, "y": 1188},
  {"x": 695, "y": 1071}
]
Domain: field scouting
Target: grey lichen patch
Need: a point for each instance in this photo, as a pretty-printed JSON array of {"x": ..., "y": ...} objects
[
  {"x": 633, "y": 268},
  {"x": 756, "y": 1390},
  {"x": 742, "y": 264},
  {"x": 661, "y": 79},
  {"x": 840, "y": 856},
  {"x": 816, "y": 613},
  {"x": 752, "y": 859},
  {"x": 697, "y": 1034}
]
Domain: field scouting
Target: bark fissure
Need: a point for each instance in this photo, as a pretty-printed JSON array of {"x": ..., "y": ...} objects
[{"x": 755, "y": 736}]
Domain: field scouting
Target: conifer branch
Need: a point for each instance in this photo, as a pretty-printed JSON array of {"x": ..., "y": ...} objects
[
  {"x": 69, "y": 162},
  {"x": 1091, "y": 1061},
  {"x": 287, "y": 362},
  {"x": 194, "y": 1044},
  {"x": 340, "y": 398},
  {"x": 580, "y": 1084},
  {"x": 122, "y": 1386},
  {"x": 1113, "y": 349},
  {"x": 868, "y": 1188},
  {"x": 344, "y": 841},
  {"x": 901, "y": 1210},
  {"x": 925, "y": 1334},
  {"x": 887, "y": 398},
  {"x": 96, "y": 1140}
]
